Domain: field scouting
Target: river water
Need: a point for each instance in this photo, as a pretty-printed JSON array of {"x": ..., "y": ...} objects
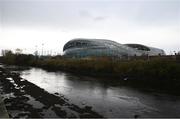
[{"x": 106, "y": 99}]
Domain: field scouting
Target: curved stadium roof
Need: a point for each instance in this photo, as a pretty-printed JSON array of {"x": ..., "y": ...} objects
[{"x": 81, "y": 47}]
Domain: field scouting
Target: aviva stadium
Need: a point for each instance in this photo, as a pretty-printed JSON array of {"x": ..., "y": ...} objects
[{"x": 83, "y": 48}]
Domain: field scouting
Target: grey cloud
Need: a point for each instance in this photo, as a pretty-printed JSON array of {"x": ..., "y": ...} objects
[
  {"x": 100, "y": 18},
  {"x": 159, "y": 13},
  {"x": 82, "y": 14},
  {"x": 56, "y": 14},
  {"x": 85, "y": 13}
]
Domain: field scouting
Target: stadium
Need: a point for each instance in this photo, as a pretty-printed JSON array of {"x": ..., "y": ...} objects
[{"x": 83, "y": 48}]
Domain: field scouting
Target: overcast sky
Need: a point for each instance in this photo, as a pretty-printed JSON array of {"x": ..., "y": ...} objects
[{"x": 26, "y": 24}]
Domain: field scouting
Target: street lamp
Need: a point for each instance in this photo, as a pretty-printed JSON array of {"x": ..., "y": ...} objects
[{"x": 42, "y": 48}]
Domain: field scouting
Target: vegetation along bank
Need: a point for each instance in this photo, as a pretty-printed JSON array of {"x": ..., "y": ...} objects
[{"x": 157, "y": 73}]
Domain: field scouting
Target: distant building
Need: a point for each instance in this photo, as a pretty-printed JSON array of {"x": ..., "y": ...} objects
[{"x": 81, "y": 48}]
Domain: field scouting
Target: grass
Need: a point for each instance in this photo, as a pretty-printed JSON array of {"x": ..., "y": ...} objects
[{"x": 161, "y": 73}]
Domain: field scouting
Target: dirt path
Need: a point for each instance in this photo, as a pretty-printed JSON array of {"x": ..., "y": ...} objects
[{"x": 24, "y": 99}]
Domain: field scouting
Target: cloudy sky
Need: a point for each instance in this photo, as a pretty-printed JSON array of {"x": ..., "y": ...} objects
[{"x": 26, "y": 24}]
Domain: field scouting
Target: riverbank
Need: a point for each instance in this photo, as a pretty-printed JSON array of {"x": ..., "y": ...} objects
[
  {"x": 26, "y": 100},
  {"x": 159, "y": 73}
]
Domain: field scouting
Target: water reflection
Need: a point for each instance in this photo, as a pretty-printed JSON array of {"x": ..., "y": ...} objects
[{"x": 108, "y": 100}]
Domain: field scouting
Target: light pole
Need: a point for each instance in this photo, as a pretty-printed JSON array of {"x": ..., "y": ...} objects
[
  {"x": 42, "y": 48},
  {"x": 36, "y": 53}
]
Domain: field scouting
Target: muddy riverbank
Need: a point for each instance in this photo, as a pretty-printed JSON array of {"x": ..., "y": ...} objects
[
  {"x": 25, "y": 99},
  {"x": 35, "y": 92}
]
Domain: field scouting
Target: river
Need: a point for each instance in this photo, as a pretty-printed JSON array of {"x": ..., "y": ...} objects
[{"x": 104, "y": 98}]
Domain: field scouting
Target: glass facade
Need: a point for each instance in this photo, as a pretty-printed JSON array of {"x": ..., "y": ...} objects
[{"x": 80, "y": 48}]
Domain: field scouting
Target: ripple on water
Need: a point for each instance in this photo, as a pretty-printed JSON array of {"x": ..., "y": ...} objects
[{"x": 104, "y": 98}]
